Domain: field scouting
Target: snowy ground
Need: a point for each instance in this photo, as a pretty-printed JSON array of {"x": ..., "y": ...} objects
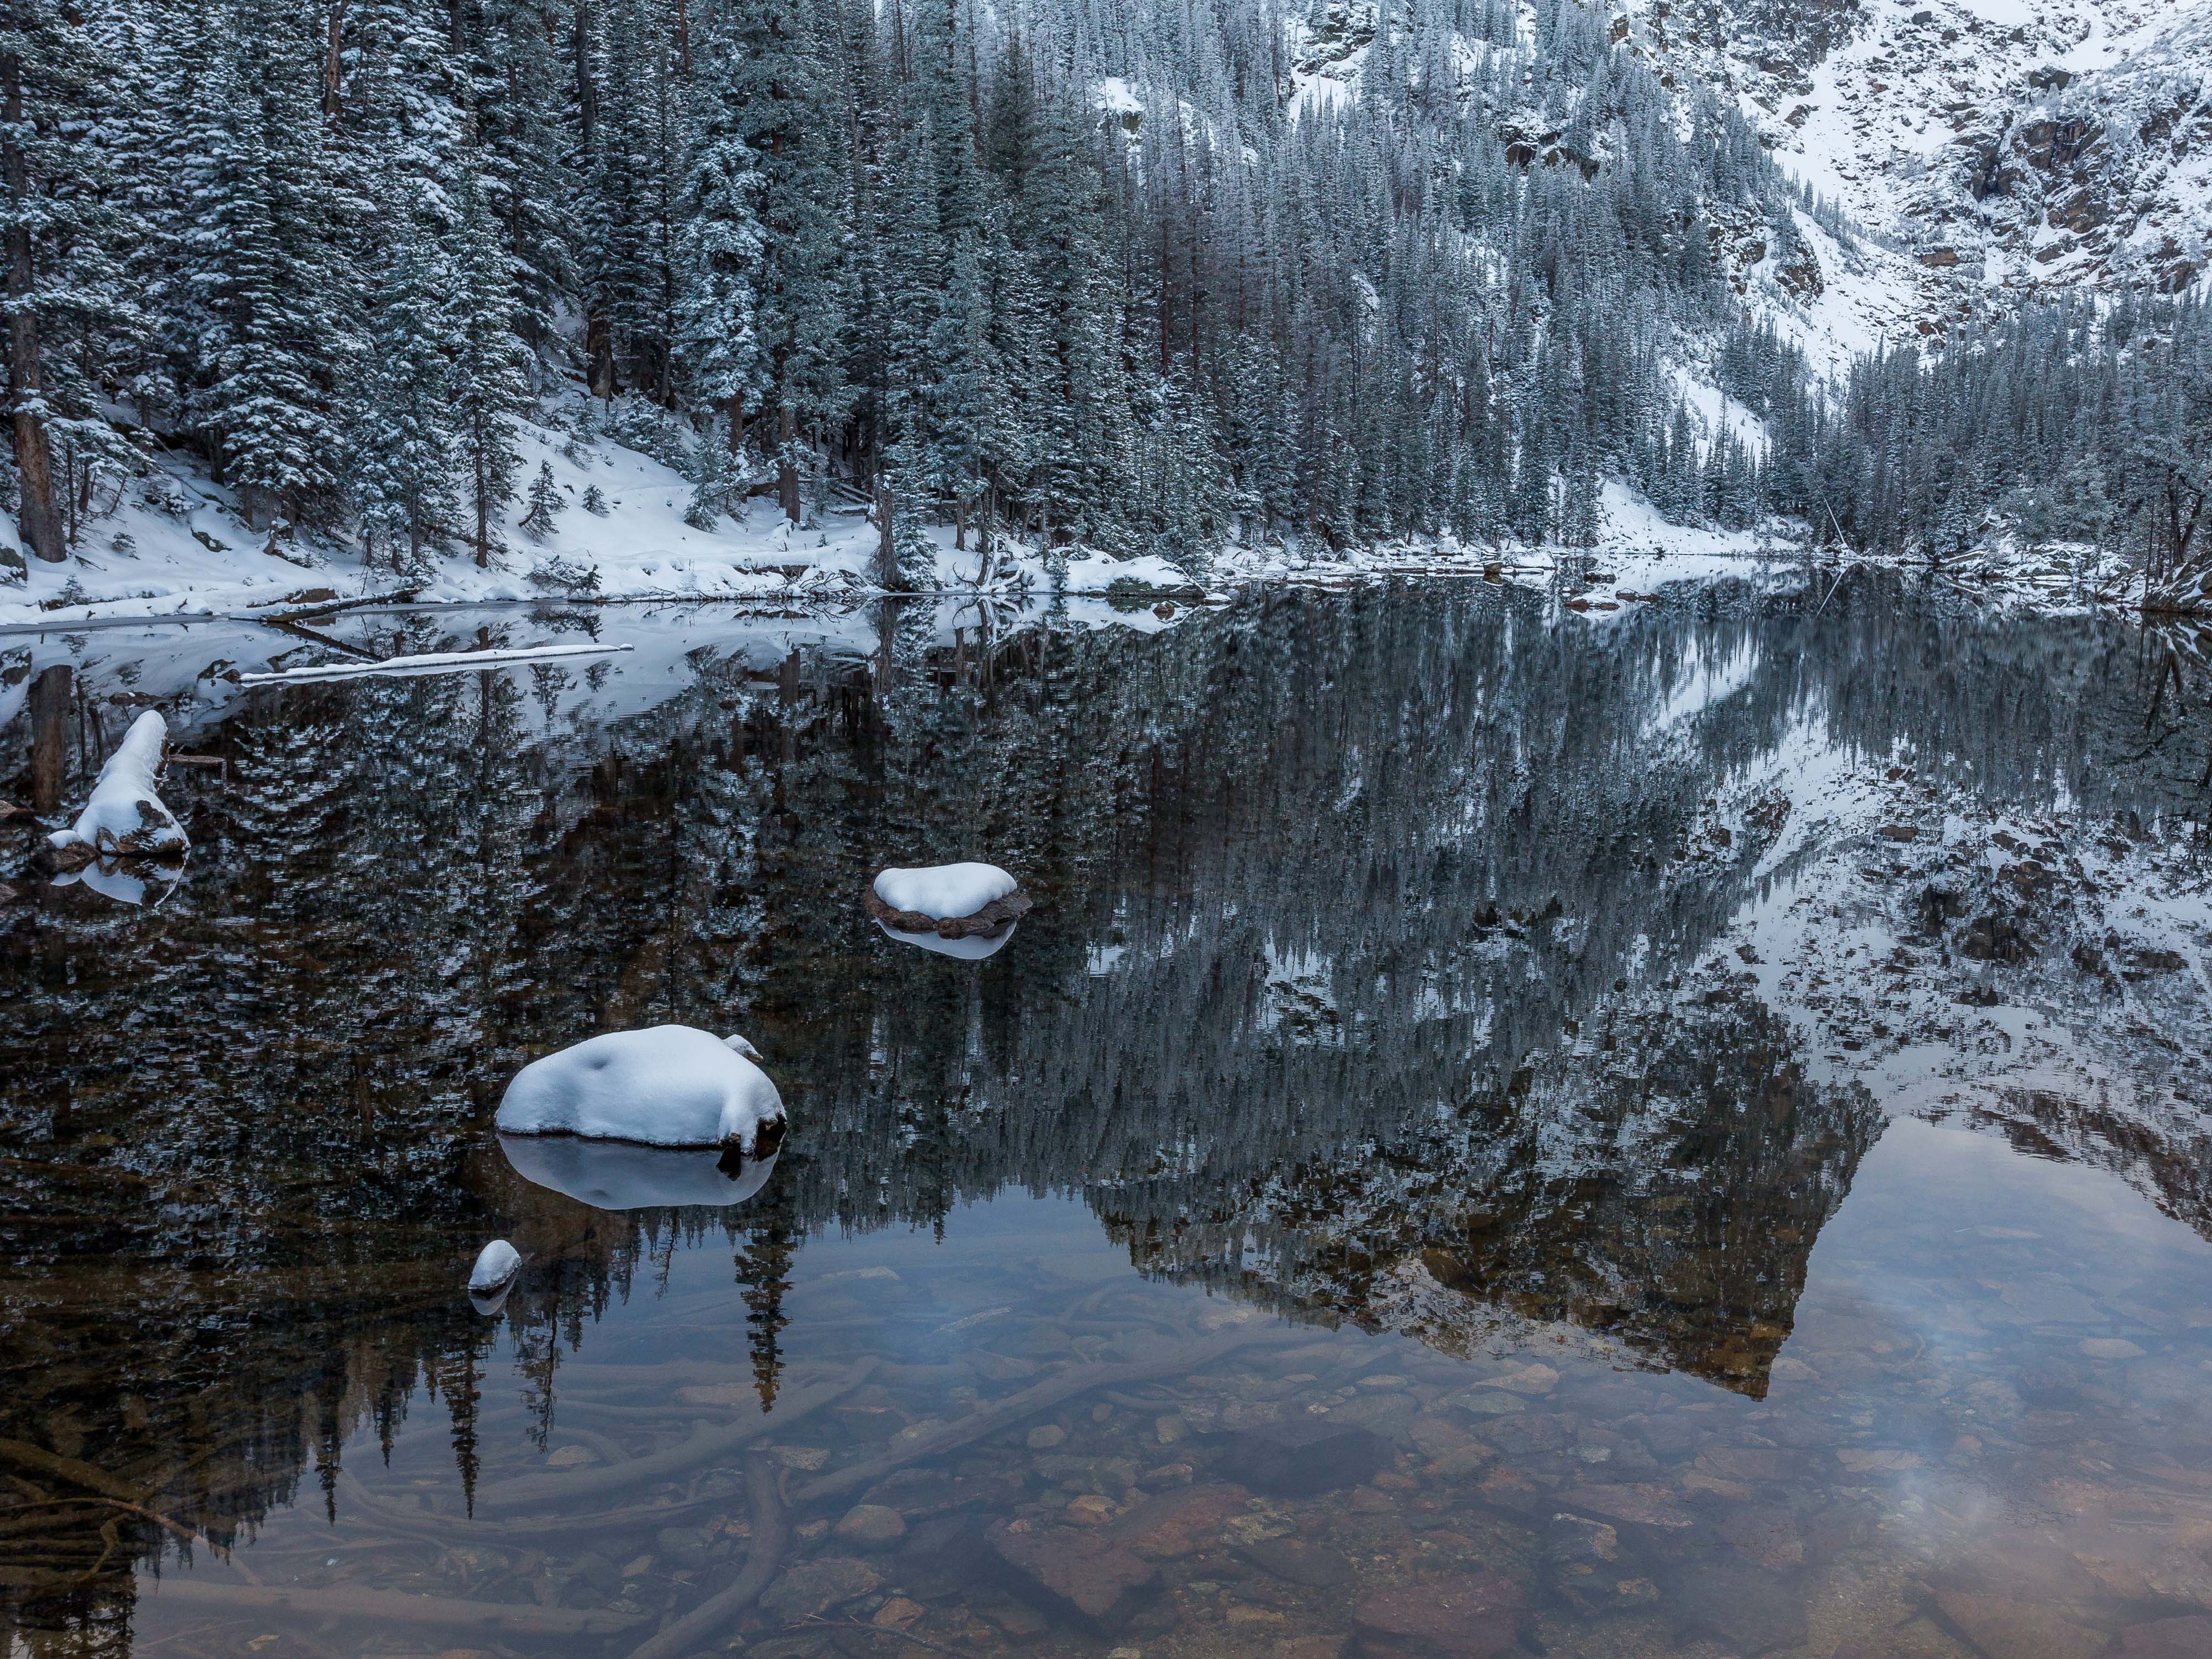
[{"x": 174, "y": 549}]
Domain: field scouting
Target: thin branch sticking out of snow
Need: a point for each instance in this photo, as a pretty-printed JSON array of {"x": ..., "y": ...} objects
[{"x": 434, "y": 662}]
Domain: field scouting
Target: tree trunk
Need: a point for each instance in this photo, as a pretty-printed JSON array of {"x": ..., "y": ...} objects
[
  {"x": 787, "y": 461},
  {"x": 36, "y": 517},
  {"x": 50, "y": 707},
  {"x": 886, "y": 547},
  {"x": 333, "y": 62},
  {"x": 483, "y": 512}
]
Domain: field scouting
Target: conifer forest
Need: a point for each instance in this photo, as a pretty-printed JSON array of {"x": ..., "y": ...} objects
[{"x": 1095, "y": 272}]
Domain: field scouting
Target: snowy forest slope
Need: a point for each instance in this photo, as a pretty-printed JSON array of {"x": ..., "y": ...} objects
[{"x": 1086, "y": 279}]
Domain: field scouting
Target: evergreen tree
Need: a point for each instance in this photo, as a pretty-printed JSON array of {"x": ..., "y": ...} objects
[{"x": 487, "y": 357}]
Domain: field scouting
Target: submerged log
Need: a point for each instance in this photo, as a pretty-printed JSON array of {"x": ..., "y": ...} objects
[
  {"x": 378, "y": 1607},
  {"x": 688, "y": 1456},
  {"x": 770, "y": 1539}
]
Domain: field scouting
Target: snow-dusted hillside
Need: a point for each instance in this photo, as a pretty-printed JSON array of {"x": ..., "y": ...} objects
[{"x": 2013, "y": 145}]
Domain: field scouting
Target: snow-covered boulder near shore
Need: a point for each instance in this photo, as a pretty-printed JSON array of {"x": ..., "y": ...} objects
[
  {"x": 125, "y": 817},
  {"x": 667, "y": 1086},
  {"x": 952, "y": 901}
]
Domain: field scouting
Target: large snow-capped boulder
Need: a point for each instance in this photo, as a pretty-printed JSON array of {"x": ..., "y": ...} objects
[
  {"x": 667, "y": 1086},
  {"x": 125, "y": 817},
  {"x": 620, "y": 1175},
  {"x": 952, "y": 901}
]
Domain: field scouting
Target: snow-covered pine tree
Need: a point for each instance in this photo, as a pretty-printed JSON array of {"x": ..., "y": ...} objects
[
  {"x": 489, "y": 386},
  {"x": 784, "y": 111},
  {"x": 718, "y": 242},
  {"x": 401, "y": 456},
  {"x": 262, "y": 259},
  {"x": 544, "y": 503}
]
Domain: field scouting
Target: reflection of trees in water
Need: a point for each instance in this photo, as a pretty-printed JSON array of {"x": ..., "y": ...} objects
[{"x": 1316, "y": 875}]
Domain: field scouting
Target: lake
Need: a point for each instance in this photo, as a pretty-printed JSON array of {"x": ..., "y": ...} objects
[{"x": 1674, "y": 1131}]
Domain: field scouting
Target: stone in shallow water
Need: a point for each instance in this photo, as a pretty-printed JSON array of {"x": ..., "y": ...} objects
[
  {"x": 1317, "y": 1566},
  {"x": 1301, "y": 1461},
  {"x": 814, "y": 1587},
  {"x": 2019, "y": 1630},
  {"x": 1468, "y": 1616},
  {"x": 872, "y": 1525},
  {"x": 1089, "y": 1574},
  {"x": 1180, "y": 1523},
  {"x": 944, "y": 1555},
  {"x": 2167, "y": 1638},
  {"x": 1745, "y": 1609}
]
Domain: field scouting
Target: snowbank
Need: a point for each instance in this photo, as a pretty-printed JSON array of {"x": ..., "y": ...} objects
[
  {"x": 970, "y": 947},
  {"x": 126, "y": 817},
  {"x": 667, "y": 1086},
  {"x": 940, "y": 890},
  {"x": 615, "y": 1175}
]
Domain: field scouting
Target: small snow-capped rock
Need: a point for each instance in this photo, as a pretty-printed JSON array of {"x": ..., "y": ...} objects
[
  {"x": 666, "y": 1085},
  {"x": 497, "y": 1263},
  {"x": 951, "y": 901},
  {"x": 125, "y": 817},
  {"x": 940, "y": 890}
]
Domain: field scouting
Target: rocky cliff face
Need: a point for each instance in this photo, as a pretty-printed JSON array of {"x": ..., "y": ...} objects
[{"x": 2005, "y": 145}]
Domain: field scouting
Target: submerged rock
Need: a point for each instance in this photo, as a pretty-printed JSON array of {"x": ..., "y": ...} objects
[
  {"x": 1072, "y": 1570},
  {"x": 1299, "y": 1461},
  {"x": 666, "y": 1085},
  {"x": 948, "y": 901},
  {"x": 125, "y": 817},
  {"x": 1469, "y": 1616}
]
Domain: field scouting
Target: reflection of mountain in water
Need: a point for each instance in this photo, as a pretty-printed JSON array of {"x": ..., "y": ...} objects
[{"x": 1346, "y": 985}]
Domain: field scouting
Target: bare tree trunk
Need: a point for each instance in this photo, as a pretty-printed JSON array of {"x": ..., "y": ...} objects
[
  {"x": 37, "y": 519},
  {"x": 50, "y": 707},
  {"x": 886, "y": 545},
  {"x": 787, "y": 461},
  {"x": 483, "y": 512},
  {"x": 333, "y": 61}
]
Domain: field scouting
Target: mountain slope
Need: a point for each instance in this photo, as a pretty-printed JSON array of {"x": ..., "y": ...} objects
[{"x": 2012, "y": 145}]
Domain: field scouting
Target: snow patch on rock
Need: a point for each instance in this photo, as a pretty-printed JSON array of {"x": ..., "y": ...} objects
[
  {"x": 942, "y": 891},
  {"x": 497, "y": 1263}
]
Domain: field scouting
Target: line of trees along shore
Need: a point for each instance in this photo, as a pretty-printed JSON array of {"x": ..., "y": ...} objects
[{"x": 1091, "y": 270}]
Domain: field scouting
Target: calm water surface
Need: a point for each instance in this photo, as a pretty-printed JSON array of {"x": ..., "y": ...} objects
[{"x": 1379, "y": 1202}]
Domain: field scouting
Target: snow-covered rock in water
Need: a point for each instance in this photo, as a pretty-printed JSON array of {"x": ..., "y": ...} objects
[
  {"x": 618, "y": 1175},
  {"x": 952, "y": 901},
  {"x": 498, "y": 1265},
  {"x": 667, "y": 1086},
  {"x": 125, "y": 817},
  {"x": 969, "y": 947}
]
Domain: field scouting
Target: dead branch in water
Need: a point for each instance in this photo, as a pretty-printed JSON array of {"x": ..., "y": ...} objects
[
  {"x": 1076, "y": 1380},
  {"x": 763, "y": 1561}
]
